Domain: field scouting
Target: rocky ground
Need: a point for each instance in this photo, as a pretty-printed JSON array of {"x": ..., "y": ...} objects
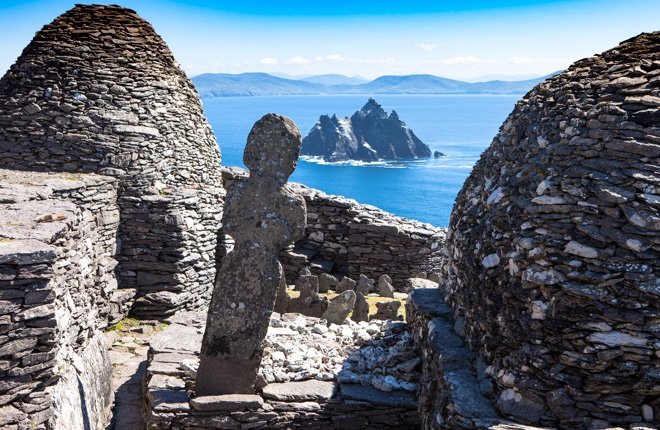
[
  {"x": 129, "y": 344},
  {"x": 379, "y": 354}
]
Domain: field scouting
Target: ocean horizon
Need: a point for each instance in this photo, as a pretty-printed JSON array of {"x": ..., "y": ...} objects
[{"x": 459, "y": 126}]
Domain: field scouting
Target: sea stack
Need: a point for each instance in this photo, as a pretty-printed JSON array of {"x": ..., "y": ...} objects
[{"x": 370, "y": 134}]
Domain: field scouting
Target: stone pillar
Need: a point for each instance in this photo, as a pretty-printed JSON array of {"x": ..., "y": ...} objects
[{"x": 262, "y": 216}]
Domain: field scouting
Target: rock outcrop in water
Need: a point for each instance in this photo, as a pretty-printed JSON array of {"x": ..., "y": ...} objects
[{"x": 370, "y": 134}]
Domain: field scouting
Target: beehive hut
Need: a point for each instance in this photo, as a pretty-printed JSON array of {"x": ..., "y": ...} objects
[
  {"x": 97, "y": 90},
  {"x": 552, "y": 260}
]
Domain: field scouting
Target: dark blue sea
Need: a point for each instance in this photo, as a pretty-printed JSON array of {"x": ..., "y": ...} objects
[{"x": 460, "y": 126}]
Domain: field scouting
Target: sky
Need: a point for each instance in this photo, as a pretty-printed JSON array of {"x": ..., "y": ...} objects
[{"x": 460, "y": 39}]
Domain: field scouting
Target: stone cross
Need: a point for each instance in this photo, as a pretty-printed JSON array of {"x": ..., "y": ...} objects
[{"x": 263, "y": 217}]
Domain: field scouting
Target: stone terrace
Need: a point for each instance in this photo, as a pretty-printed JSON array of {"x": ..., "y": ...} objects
[{"x": 57, "y": 292}]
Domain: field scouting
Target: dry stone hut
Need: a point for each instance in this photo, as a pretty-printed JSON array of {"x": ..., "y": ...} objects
[
  {"x": 552, "y": 264},
  {"x": 97, "y": 90}
]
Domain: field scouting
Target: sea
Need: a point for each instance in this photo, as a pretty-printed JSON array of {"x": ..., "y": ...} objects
[{"x": 459, "y": 126}]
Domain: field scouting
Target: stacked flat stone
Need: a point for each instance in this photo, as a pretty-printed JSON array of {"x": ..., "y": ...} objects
[
  {"x": 552, "y": 260},
  {"x": 57, "y": 292},
  {"x": 169, "y": 246},
  {"x": 347, "y": 238},
  {"x": 97, "y": 90}
]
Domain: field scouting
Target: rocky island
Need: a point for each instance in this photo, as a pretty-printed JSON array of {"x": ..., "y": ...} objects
[{"x": 370, "y": 134}]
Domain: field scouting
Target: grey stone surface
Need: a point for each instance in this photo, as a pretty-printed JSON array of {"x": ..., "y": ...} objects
[
  {"x": 327, "y": 282},
  {"x": 178, "y": 337},
  {"x": 365, "y": 285},
  {"x": 227, "y": 402},
  {"x": 360, "y": 309},
  {"x": 429, "y": 301},
  {"x": 377, "y": 397},
  {"x": 339, "y": 308},
  {"x": 301, "y": 391},
  {"x": 262, "y": 217},
  {"x": 387, "y": 311},
  {"x": 385, "y": 288},
  {"x": 345, "y": 284},
  {"x": 552, "y": 249}
]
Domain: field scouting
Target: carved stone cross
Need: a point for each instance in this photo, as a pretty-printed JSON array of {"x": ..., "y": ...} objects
[{"x": 263, "y": 217}]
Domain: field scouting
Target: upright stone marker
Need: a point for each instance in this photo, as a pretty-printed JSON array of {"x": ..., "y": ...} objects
[{"x": 263, "y": 217}]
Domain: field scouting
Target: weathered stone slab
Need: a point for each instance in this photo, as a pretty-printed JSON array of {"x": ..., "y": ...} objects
[
  {"x": 430, "y": 301},
  {"x": 374, "y": 396},
  {"x": 43, "y": 220},
  {"x": 178, "y": 338},
  {"x": 25, "y": 252},
  {"x": 227, "y": 402},
  {"x": 421, "y": 283},
  {"x": 301, "y": 391},
  {"x": 169, "y": 400},
  {"x": 167, "y": 382},
  {"x": 172, "y": 357},
  {"x": 339, "y": 307}
]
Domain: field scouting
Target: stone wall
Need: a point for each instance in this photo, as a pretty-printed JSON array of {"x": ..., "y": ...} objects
[
  {"x": 346, "y": 238},
  {"x": 169, "y": 249},
  {"x": 57, "y": 292},
  {"x": 552, "y": 264},
  {"x": 97, "y": 90}
]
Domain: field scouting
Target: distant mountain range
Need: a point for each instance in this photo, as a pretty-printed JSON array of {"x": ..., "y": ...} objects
[{"x": 263, "y": 84}]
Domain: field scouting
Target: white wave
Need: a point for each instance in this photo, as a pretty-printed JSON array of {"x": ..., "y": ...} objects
[{"x": 320, "y": 160}]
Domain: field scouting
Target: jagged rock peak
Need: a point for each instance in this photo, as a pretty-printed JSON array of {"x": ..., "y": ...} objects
[
  {"x": 372, "y": 107},
  {"x": 553, "y": 255},
  {"x": 97, "y": 90},
  {"x": 370, "y": 134}
]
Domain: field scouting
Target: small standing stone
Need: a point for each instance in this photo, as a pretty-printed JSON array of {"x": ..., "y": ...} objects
[
  {"x": 360, "y": 309},
  {"x": 345, "y": 284},
  {"x": 339, "y": 307},
  {"x": 327, "y": 282},
  {"x": 365, "y": 285},
  {"x": 282, "y": 299},
  {"x": 388, "y": 311},
  {"x": 385, "y": 288}
]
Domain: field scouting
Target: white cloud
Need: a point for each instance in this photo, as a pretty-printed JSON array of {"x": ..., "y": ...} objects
[
  {"x": 467, "y": 60},
  {"x": 426, "y": 46},
  {"x": 268, "y": 61},
  {"x": 336, "y": 58},
  {"x": 299, "y": 61}
]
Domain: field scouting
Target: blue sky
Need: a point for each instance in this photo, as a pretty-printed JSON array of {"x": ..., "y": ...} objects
[{"x": 466, "y": 40}]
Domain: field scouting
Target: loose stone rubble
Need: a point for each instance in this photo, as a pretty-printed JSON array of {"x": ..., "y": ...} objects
[
  {"x": 313, "y": 375},
  {"x": 552, "y": 262}
]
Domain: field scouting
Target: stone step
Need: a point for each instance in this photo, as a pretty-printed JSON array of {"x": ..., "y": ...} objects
[{"x": 450, "y": 396}]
